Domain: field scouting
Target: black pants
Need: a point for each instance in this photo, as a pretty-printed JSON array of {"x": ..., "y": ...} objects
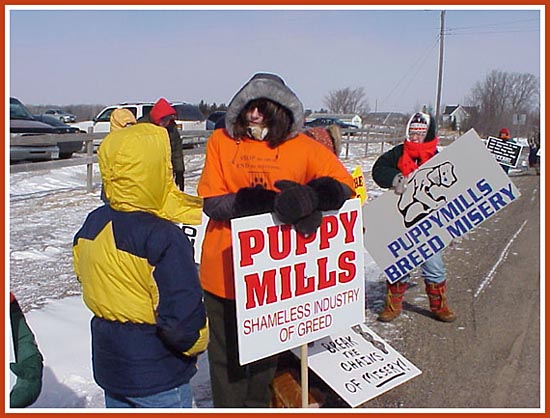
[{"x": 233, "y": 385}]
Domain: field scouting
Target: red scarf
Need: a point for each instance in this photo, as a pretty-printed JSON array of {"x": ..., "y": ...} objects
[{"x": 416, "y": 154}]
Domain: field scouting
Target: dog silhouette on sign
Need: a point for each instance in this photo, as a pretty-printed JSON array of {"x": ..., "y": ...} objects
[{"x": 425, "y": 192}]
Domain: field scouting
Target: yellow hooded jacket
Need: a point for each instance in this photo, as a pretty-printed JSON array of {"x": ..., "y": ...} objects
[
  {"x": 137, "y": 270},
  {"x": 136, "y": 171}
]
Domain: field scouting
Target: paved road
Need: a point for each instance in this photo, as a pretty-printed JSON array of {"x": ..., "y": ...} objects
[{"x": 489, "y": 357}]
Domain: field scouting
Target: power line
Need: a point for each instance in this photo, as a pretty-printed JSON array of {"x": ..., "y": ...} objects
[
  {"x": 419, "y": 62},
  {"x": 496, "y": 32},
  {"x": 499, "y": 24}
]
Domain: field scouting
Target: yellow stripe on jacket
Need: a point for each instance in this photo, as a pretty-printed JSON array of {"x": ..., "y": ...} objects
[{"x": 117, "y": 286}]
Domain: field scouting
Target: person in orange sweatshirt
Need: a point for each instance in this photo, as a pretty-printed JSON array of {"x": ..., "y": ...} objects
[{"x": 259, "y": 163}]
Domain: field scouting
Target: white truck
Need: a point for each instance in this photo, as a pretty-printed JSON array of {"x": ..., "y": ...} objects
[{"x": 188, "y": 117}]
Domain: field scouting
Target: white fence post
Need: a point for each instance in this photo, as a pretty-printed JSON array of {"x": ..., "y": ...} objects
[{"x": 90, "y": 164}]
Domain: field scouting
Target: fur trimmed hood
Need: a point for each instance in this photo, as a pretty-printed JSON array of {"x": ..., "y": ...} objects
[{"x": 267, "y": 86}]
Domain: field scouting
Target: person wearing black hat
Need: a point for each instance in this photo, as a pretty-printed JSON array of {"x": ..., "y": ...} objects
[{"x": 391, "y": 171}]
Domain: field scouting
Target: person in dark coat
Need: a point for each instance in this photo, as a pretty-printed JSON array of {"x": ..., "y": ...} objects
[
  {"x": 534, "y": 147},
  {"x": 163, "y": 114},
  {"x": 504, "y": 134},
  {"x": 391, "y": 171},
  {"x": 29, "y": 363}
]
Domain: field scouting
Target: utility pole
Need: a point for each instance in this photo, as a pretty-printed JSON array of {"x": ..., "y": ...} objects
[{"x": 440, "y": 68}]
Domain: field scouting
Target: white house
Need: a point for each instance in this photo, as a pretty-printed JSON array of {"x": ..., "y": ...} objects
[{"x": 454, "y": 116}]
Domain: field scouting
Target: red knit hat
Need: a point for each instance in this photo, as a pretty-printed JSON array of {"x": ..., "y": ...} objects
[
  {"x": 160, "y": 110},
  {"x": 504, "y": 131}
]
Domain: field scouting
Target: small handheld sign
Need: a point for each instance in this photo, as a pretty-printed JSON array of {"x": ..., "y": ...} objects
[{"x": 505, "y": 152}]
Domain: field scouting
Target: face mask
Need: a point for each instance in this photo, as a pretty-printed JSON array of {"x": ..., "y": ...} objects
[{"x": 257, "y": 132}]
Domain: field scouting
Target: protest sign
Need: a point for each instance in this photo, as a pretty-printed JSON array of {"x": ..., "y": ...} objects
[
  {"x": 195, "y": 233},
  {"x": 454, "y": 192},
  {"x": 505, "y": 152},
  {"x": 291, "y": 289},
  {"x": 358, "y": 364},
  {"x": 359, "y": 183}
]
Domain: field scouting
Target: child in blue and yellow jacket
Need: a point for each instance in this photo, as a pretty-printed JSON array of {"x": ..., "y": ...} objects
[{"x": 138, "y": 275}]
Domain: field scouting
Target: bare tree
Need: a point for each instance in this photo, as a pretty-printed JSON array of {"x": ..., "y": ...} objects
[
  {"x": 500, "y": 96},
  {"x": 524, "y": 92},
  {"x": 348, "y": 100}
]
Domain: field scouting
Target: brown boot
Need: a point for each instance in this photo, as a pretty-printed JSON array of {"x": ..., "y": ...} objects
[
  {"x": 394, "y": 301},
  {"x": 438, "y": 301}
]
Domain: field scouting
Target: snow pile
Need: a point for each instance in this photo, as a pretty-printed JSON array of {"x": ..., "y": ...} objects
[{"x": 46, "y": 210}]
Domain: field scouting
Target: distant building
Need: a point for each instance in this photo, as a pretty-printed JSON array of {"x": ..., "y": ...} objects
[
  {"x": 454, "y": 117},
  {"x": 351, "y": 118}
]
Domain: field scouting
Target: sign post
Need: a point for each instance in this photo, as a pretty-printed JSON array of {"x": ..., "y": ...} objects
[{"x": 304, "y": 376}]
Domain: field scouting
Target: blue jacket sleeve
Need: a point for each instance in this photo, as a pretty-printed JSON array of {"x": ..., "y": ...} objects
[{"x": 181, "y": 313}]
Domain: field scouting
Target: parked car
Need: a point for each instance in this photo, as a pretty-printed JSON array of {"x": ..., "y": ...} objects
[
  {"x": 213, "y": 118},
  {"x": 330, "y": 121},
  {"x": 61, "y": 115},
  {"x": 24, "y": 124},
  {"x": 66, "y": 149},
  {"x": 188, "y": 117}
]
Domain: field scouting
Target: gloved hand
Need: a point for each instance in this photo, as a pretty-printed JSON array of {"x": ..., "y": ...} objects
[
  {"x": 179, "y": 179},
  {"x": 294, "y": 202},
  {"x": 202, "y": 342},
  {"x": 253, "y": 201},
  {"x": 309, "y": 224},
  {"x": 399, "y": 183},
  {"x": 331, "y": 193}
]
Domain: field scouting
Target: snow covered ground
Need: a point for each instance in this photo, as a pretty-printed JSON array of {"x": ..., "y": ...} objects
[{"x": 46, "y": 209}]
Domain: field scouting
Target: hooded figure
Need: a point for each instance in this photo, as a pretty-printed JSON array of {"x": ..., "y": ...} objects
[
  {"x": 392, "y": 170},
  {"x": 163, "y": 114},
  {"x": 161, "y": 109},
  {"x": 138, "y": 274},
  {"x": 137, "y": 175},
  {"x": 266, "y": 86},
  {"x": 260, "y": 162},
  {"x": 121, "y": 118}
]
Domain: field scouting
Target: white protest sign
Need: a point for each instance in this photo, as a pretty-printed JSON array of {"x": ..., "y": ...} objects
[
  {"x": 358, "y": 364},
  {"x": 505, "y": 152},
  {"x": 195, "y": 233},
  {"x": 448, "y": 196},
  {"x": 291, "y": 289}
]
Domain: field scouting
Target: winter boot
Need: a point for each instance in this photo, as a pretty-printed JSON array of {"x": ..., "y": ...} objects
[
  {"x": 394, "y": 301},
  {"x": 438, "y": 301}
]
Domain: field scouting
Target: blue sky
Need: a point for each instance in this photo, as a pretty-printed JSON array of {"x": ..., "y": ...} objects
[{"x": 107, "y": 56}]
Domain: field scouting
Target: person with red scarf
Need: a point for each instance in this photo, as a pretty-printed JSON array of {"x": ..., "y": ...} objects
[{"x": 392, "y": 170}]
